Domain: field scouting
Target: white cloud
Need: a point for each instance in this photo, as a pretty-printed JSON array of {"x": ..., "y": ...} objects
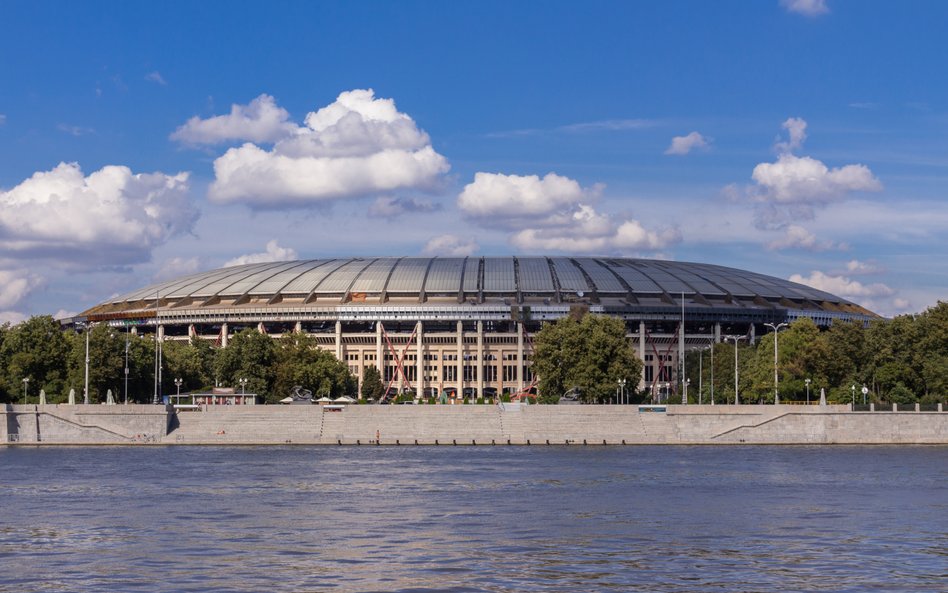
[
  {"x": 111, "y": 217},
  {"x": 794, "y": 179},
  {"x": 842, "y": 286},
  {"x": 274, "y": 253},
  {"x": 449, "y": 246},
  {"x": 357, "y": 146},
  {"x": 12, "y": 317},
  {"x": 15, "y": 285},
  {"x": 259, "y": 121},
  {"x": 392, "y": 207},
  {"x": 177, "y": 267},
  {"x": 809, "y": 8},
  {"x": 64, "y": 314},
  {"x": 860, "y": 267},
  {"x": 74, "y": 130},
  {"x": 796, "y": 130},
  {"x": 499, "y": 198},
  {"x": 156, "y": 77},
  {"x": 587, "y": 231},
  {"x": 797, "y": 237},
  {"x": 685, "y": 144},
  {"x": 608, "y": 125}
]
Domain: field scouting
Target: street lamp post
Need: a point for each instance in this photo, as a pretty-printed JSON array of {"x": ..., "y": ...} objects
[
  {"x": 776, "y": 329},
  {"x": 700, "y": 374},
  {"x": 177, "y": 383},
  {"x": 622, "y": 391},
  {"x": 853, "y": 388},
  {"x": 85, "y": 395},
  {"x": 807, "y": 381},
  {"x": 126, "y": 364},
  {"x": 737, "y": 399},
  {"x": 684, "y": 395},
  {"x": 712, "y": 372},
  {"x": 26, "y": 381},
  {"x": 243, "y": 385}
]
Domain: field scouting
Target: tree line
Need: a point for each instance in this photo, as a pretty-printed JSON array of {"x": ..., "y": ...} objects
[
  {"x": 54, "y": 361},
  {"x": 901, "y": 360}
]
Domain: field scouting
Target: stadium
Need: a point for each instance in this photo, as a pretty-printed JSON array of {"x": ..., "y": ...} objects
[{"x": 464, "y": 324}]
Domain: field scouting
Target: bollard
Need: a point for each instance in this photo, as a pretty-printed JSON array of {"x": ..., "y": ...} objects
[
  {"x": 584, "y": 441},
  {"x": 623, "y": 441},
  {"x": 454, "y": 442},
  {"x": 548, "y": 441},
  {"x": 872, "y": 407}
]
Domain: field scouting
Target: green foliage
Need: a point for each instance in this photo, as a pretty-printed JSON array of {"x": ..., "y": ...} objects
[
  {"x": 37, "y": 349},
  {"x": 590, "y": 354},
  {"x": 372, "y": 387},
  {"x": 300, "y": 361},
  {"x": 249, "y": 355}
]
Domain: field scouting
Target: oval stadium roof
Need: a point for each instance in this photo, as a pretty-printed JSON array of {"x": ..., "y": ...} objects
[{"x": 616, "y": 282}]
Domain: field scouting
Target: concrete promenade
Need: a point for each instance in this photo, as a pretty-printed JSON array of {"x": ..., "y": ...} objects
[{"x": 505, "y": 424}]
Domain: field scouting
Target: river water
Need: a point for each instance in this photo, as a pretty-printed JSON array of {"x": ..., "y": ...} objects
[{"x": 474, "y": 519}]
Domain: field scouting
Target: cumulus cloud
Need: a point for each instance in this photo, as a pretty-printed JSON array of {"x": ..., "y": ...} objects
[
  {"x": 863, "y": 268},
  {"x": 811, "y": 8},
  {"x": 64, "y": 314},
  {"x": 356, "y": 146},
  {"x": 259, "y": 121},
  {"x": 793, "y": 187},
  {"x": 392, "y": 207},
  {"x": 503, "y": 198},
  {"x": 796, "y": 132},
  {"x": 74, "y": 130},
  {"x": 876, "y": 297},
  {"x": 685, "y": 144},
  {"x": 449, "y": 246},
  {"x": 273, "y": 253},
  {"x": 156, "y": 77},
  {"x": 587, "y": 231},
  {"x": 15, "y": 285},
  {"x": 111, "y": 217},
  {"x": 12, "y": 317},
  {"x": 797, "y": 237},
  {"x": 177, "y": 267}
]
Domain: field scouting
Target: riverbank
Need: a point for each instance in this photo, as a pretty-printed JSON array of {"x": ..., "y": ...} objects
[{"x": 505, "y": 424}]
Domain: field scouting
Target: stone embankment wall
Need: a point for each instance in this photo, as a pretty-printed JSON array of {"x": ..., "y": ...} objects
[{"x": 468, "y": 425}]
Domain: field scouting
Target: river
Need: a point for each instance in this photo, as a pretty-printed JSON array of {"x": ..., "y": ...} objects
[{"x": 418, "y": 519}]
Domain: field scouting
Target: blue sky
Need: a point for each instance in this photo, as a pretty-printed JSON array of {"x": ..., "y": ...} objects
[{"x": 797, "y": 138}]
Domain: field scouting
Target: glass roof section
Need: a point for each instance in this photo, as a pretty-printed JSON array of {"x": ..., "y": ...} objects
[
  {"x": 306, "y": 282},
  {"x": 250, "y": 282},
  {"x": 341, "y": 278},
  {"x": 690, "y": 275},
  {"x": 274, "y": 284},
  {"x": 213, "y": 282},
  {"x": 605, "y": 281},
  {"x": 534, "y": 275},
  {"x": 634, "y": 277},
  {"x": 568, "y": 275},
  {"x": 499, "y": 275},
  {"x": 372, "y": 279},
  {"x": 670, "y": 283},
  {"x": 470, "y": 274},
  {"x": 409, "y": 275},
  {"x": 444, "y": 276}
]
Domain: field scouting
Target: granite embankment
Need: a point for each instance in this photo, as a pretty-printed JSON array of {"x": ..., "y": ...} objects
[{"x": 466, "y": 425}]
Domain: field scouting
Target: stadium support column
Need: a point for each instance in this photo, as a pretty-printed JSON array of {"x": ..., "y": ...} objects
[
  {"x": 225, "y": 336},
  {"x": 480, "y": 359},
  {"x": 298, "y": 328},
  {"x": 192, "y": 333},
  {"x": 460, "y": 360},
  {"x": 420, "y": 363},
  {"x": 753, "y": 334},
  {"x": 379, "y": 361},
  {"x": 717, "y": 333},
  {"x": 642, "y": 353},
  {"x": 338, "y": 340},
  {"x": 521, "y": 364}
]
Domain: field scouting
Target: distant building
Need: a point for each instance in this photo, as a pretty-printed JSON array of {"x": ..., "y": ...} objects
[{"x": 433, "y": 323}]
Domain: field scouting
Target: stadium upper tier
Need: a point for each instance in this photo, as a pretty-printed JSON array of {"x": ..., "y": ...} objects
[{"x": 614, "y": 284}]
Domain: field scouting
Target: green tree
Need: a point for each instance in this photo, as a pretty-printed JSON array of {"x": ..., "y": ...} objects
[
  {"x": 193, "y": 363},
  {"x": 106, "y": 363},
  {"x": 300, "y": 361},
  {"x": 37, "y": 349},
  {"x": 249, "y": 355},
  {"x": 586, "y": 352},
  {"x": 372, "y": 387}
]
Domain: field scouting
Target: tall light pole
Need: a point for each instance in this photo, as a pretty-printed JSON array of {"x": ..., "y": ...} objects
[
  {"x": 684, "y": 396},
  {"x": 807, "y": 381},
  {"x": 26, "y": 381},
  {"x": 177, "y": 383},
  {"x": 126, "y": 364},
  {"x": 712, "y": 372},
  {"x": 700, "y": 373},
  {"x": 737, "y": 399},
  {"x": 622, "y": 391},
  {"x": 776, "y": 329},
  {"x": 85, "y": 395},
  {"x": 243, "y": 385}
]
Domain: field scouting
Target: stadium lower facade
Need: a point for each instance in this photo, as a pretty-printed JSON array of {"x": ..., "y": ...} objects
[{"x": 433, "y": 324}]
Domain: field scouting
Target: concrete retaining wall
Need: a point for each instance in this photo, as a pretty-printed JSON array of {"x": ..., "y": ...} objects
[{"x": 469, "y": 425}]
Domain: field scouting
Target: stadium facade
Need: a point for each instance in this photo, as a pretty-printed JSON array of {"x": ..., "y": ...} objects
[{"x": 445, "y": 323}]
